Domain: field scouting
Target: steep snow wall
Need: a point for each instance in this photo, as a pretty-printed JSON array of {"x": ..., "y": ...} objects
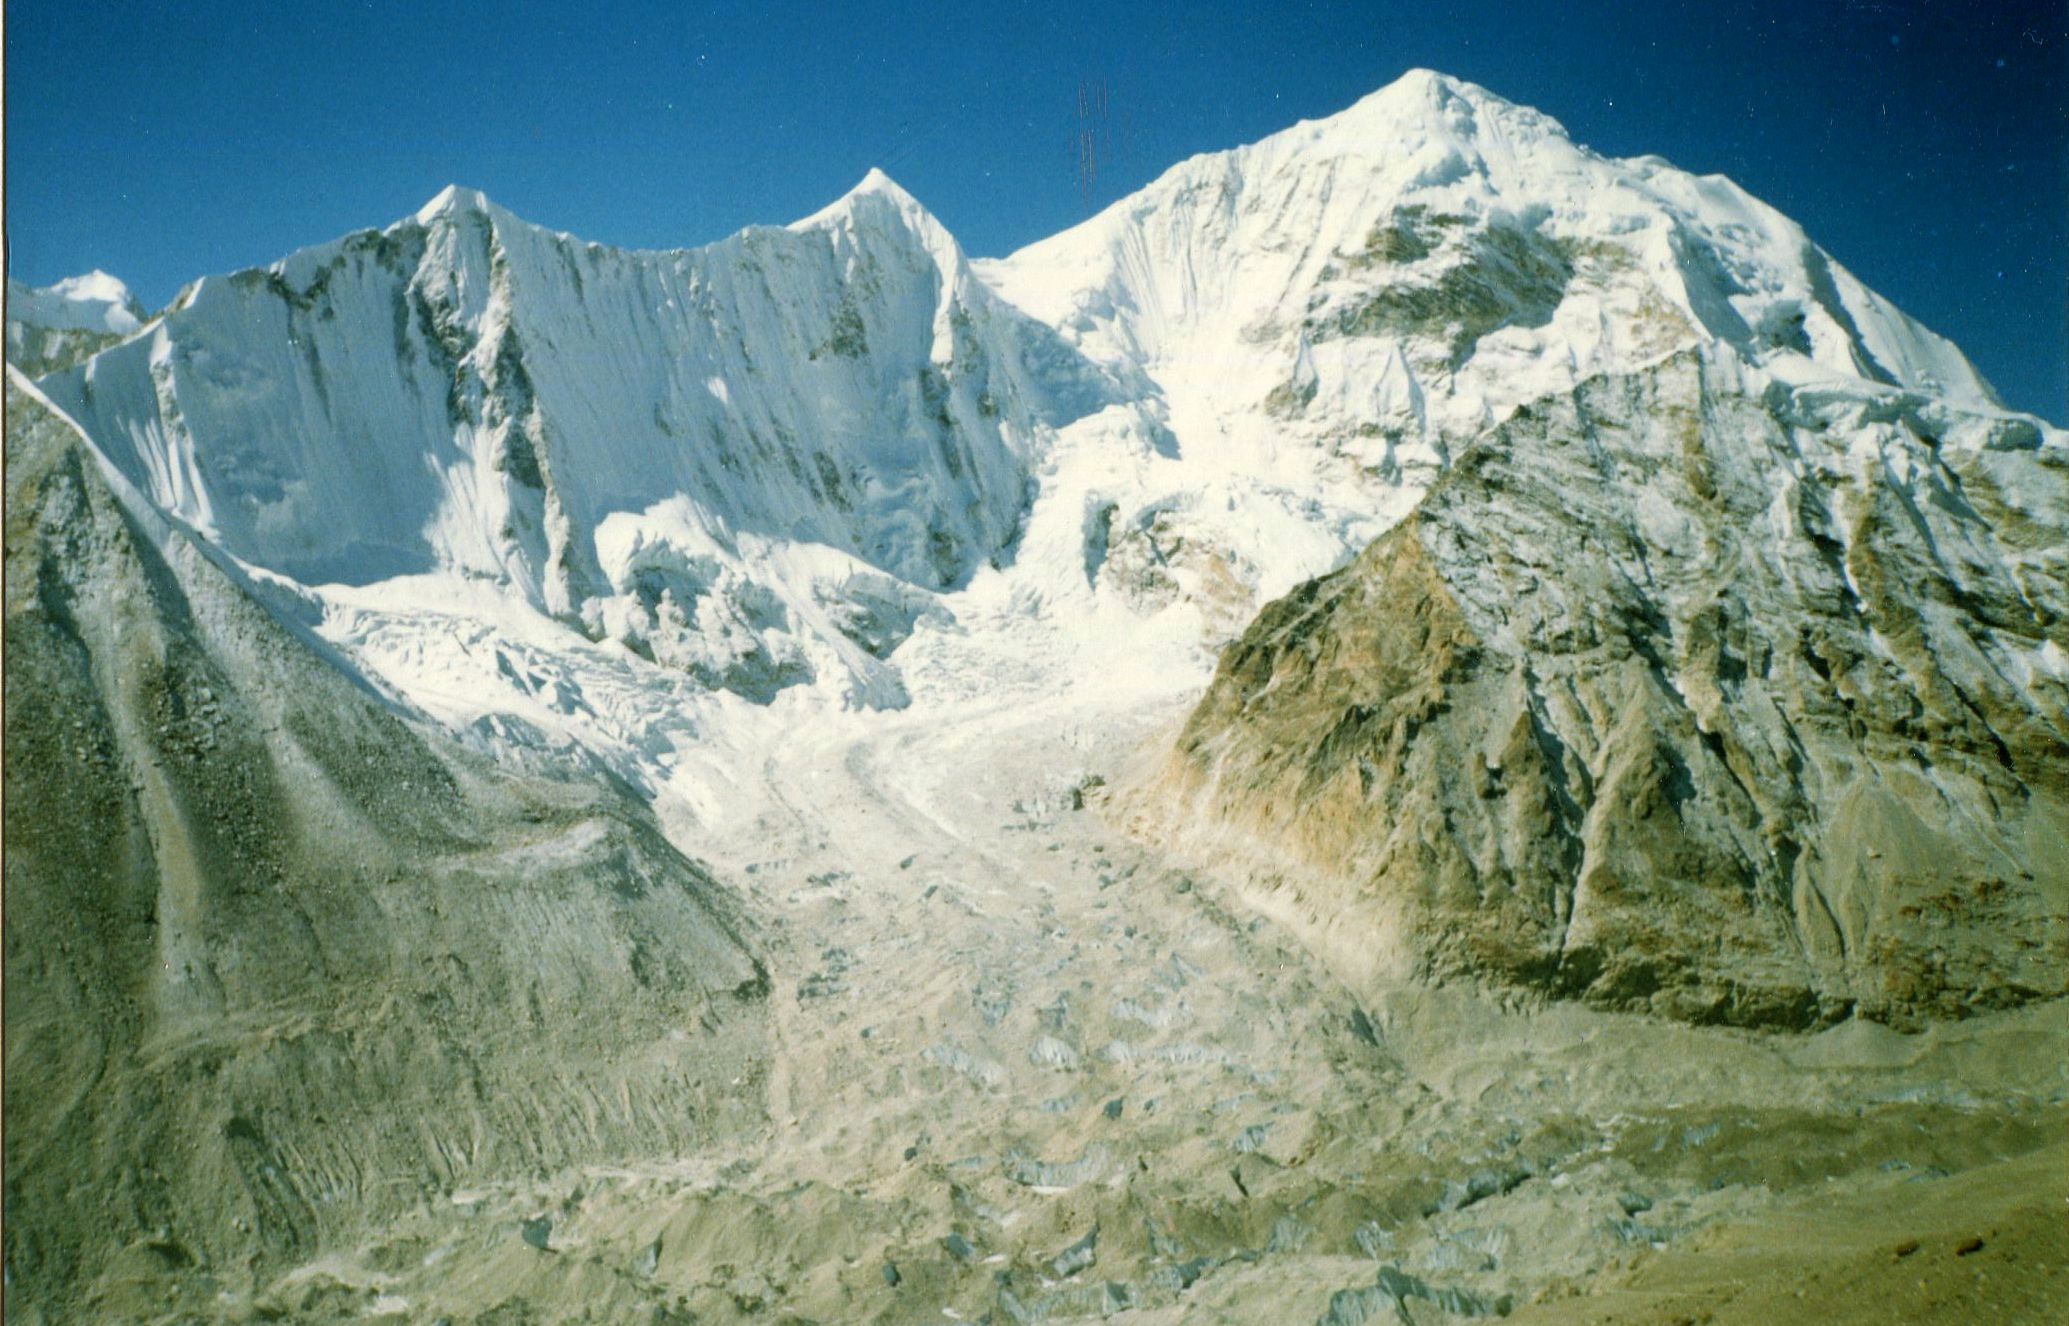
[
  {"x": 463, "y": 392},
  {"x": 1383, "y": 283}
]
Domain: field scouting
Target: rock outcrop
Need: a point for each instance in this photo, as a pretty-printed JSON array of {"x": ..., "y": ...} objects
[
  {"x": 1684, "y": 692},
  {"x": 282, "y": 960}
]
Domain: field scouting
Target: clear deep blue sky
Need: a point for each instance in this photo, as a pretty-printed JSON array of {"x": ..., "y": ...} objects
[{"x": 1925, "y": 143}]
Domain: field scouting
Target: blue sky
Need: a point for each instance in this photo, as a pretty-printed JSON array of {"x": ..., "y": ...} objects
[{"x": 1924, "y": 142}]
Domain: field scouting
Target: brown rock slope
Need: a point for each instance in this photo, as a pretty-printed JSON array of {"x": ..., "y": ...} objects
[
  {"x": 1988, "y": 1245},
  {"x": 281, "y": 962},
  {"x": 1685, "y": 692}
]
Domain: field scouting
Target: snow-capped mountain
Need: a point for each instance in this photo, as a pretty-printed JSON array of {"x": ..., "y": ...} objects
[
  {"x": 1408, "y": 271},
  {"x": 1621, "y": 605},
  {"x": 627, "y": 441},
  {"x": 56, "y": 325},
  {"x": 1334, "y": 312},
  {"x": 1610, "y": 370},
  {"x": 567, "y": 496}
]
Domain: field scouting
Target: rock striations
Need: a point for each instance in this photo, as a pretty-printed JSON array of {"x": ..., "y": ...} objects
[
  {"x": 280, "y": 959},
  {"x": 1683, "y": 691}
]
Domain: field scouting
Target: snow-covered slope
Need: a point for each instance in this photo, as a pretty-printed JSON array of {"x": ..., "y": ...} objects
[
  {"x": 56, "y": 325},
  {"x": 603, "y": 431},
  {"x": 1389, "y": 280},
  {"x": 1329, "y": 316}
]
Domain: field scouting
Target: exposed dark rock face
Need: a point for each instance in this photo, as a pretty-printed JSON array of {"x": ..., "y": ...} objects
[{"x": 1682, "y": 693}]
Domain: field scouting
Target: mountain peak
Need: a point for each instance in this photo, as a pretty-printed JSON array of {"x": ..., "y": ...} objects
[
  {"x": 95, "y": 285},
  {"x": 875, "y": 181},
  {"x": 1428, "y": 83},
  {"x": 1437, "y": 81},
  {"x": 878, "y": 205},
  {"x": 92, "y": 302},
  {"x": 451, "y": 200},
  {"x": 1453, "y": 107},
  {"x": 874, "y": 187}
]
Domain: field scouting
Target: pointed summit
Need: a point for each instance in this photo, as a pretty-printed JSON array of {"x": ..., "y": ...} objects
[
  {"x": 878, "y": 182},
  {"x": 1428, "y": 105},
  {"x": 1437, "y": 85},
  {"x": 452, "y": 200},
  {"x": 878, "y": 204},
  {"x": 1420, "y": 84},
  {"x": 874, "y": 189}
]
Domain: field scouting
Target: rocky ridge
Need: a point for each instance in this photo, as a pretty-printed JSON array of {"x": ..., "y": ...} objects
[
  {"x": 282, "y": 960},
  {"x": 1687, "y": 692}
]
